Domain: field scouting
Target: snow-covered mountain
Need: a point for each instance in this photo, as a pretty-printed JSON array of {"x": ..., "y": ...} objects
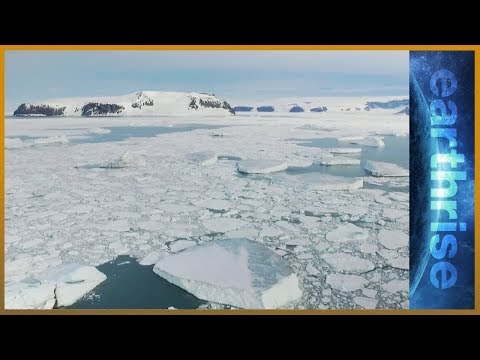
[
  {"x": 328, "y": 104},
  {"x": 143, "y": 103}
]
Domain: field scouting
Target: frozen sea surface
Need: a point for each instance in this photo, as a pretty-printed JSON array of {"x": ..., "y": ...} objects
[{"x": 59, "y": 211}]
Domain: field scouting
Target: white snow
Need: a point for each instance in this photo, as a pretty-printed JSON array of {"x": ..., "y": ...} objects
[
  {"x": 393, "y": 239},
  {"x": 14, "y": 143},
  {"x": 345, "y": 150},
  {"x": 339, "y": 160},
  {"x": 128, "y": 159},
  {"x": 203, "y": 157},
  {"x": 378, "y": 168},
  {"x": 261, "y": 166},
  {"x": 237, "y": 272},
  {"x": 222, "y": 225}
]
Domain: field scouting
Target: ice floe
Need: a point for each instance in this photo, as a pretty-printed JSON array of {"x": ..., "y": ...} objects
[
  {"x": 348, "y": 233},
  {"x": 339, "y": 160},
  {"x": 99, "y": 131},
  {"x": 180, "y": 245},
  {"x": 345, "y": 150},
  {"x": 346, "y": 282},
  {"x": 214, "y": 204},
  {"x": 14, "y": 143},
  {"x": 222, "y": 225},
  {"x": 374, "y": 141},
  {"x": 393, "y": 239},
  {"x": 320, "y": 182},
  {"x": 128, "y": 159},
  {"x": 61, "y": 139},
  {"x": 378, "y": 168},
  {"x": 261, "y": 166},
  {"x": 237, "y": 272},
  {"x": 203, "y": 157},
  {"x": 344, "y": 262}
]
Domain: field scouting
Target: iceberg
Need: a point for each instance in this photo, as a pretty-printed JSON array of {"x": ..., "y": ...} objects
[
  {"x": 237, "y": 272},
  {"x": 261, "y": 166},
  {"x": 378, "y": 168}
]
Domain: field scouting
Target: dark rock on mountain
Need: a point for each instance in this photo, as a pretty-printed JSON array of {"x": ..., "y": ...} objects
[
  {"x": 94, "y": 109},
  {"x": 142, "y": 100},
  {"x": 243, "y": 108},
  {"x": 265, "y": 109},
  {"x": 296, "y": 109},
  {"x": 25, "y": 110}
]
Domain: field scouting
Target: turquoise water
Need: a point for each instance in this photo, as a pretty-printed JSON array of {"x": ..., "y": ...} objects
[{"x": 130, "y": 285}]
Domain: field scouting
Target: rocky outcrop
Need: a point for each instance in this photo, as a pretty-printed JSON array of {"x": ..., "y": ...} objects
[
  {"x": 97, "y": 109},
  {"x": 265, "y": 109},
  {"x": 243, "y": 108},
  {"x": 296, "y": 109},
  {"x": 38, "y": 110},
  {"x": 142, "y": 100},
  {"x": 319, "y": 109}
]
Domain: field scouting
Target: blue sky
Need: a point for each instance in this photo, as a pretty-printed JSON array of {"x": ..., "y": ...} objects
[{"x": 239, "y": 77}]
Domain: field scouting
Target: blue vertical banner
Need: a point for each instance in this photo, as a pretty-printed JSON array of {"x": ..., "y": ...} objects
[{"x": 442, "y": 263}]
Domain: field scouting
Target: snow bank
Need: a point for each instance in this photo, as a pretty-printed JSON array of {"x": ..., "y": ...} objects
[
  {"x": 261, "y": 166},
  {"x": 378, "y": 168},
  {"x": 237, "y": 272}
]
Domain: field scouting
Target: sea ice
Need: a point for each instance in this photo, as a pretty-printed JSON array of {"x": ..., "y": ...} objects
[
  {"x": 29, "y": 295},
  {"x": 348, "y": 263},
  {"x": 128, "y": 159},
  {"x": 396, "y": 285},
  {"x": 73, "y": 281},
  {"x": 378, "y": 168},
  {"x": 237, "y": 272},
  {"x": 261, "y": 166},
  {"x": 345, "y": 150},
  {"x": 350, "y": 138},
  {"x": 62, "y": 139},
  {"x": 99, "y": 131},
  {"x": 392, "y": 239},
  {"x": 222, "y": 225},
  {"x": 348, "y": 232},
  {"x": 203, "y": 157},
  {"x": 215, "y": 204},
  {"x": 180, "y": 245},
  {"x": 339, "y": 160},
  {"x": 345, "y": 282},
  {"x": 270, "y": 231},
  {"x": 365, "y": 302},
  {"x": 15, "y": 143},
  {"x": 320, "y": 182},
  {"x": 151, "y": 258},
  {"x": 374, "y": 141}
]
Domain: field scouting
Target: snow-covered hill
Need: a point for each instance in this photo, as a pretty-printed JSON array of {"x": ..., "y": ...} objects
[
  {"x": 328, "y": 104},
  {"x": 143, "y": 103}
]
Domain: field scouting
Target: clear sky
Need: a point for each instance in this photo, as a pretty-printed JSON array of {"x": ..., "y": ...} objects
[{"x": 239, "y": 77}]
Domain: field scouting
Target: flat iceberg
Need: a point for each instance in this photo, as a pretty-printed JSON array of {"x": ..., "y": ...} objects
[
  {"x": 203, "y": 157},
  {"x": 126, "y": 160},
  {"x": 63, "y": 286},
  {"x": 261, "y": 166},
  {"x": 320, "y": 182},
  {"x": 237, "y": 272},
  {"x": 15, "y": 143},
  {"x": 378, "y": 168},
  {"x": 339, "y": 160},
  {"x": 73, "y": 281},
  {"x": 345, "y": 150}
]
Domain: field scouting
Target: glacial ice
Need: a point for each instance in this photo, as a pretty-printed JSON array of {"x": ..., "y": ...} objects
[
  {"x": 378, "y": 168},
  {"x": 261, "y": 166},
  {"x": 203, "y": 157},
  {"x": 339, "y": 160},
  {"x": 237, "y": 272}
]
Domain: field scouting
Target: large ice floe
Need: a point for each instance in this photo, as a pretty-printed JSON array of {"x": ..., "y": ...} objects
[
  {"x": 61, "y": 286},
  {"x": 203, "y": 157},
  {"x": 14, "y": 143},
  {"x": 319, "y": 181},
  {"x": 261, "y": 166},
  {"x": 378, "y": 168},
  {"x": 237, "y": 272},
  {"x": 339, "y": 160}
]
